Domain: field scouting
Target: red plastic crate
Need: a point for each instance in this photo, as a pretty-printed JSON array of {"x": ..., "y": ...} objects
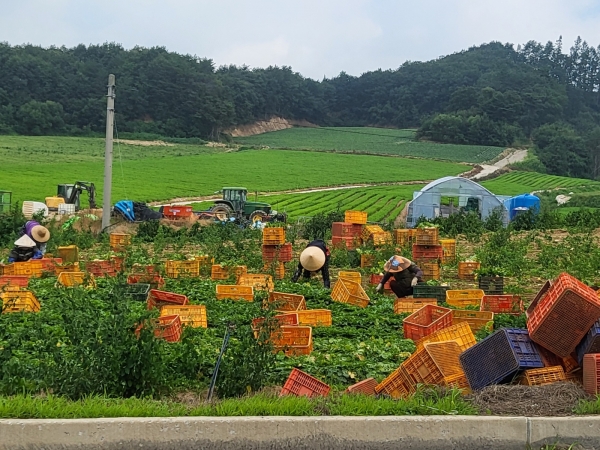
[
  {"x": 281, "y": 253},
  {"x": 300, "y": 383},
  {"x": 169, "y": 328},
  {"x": 155, "y": 281},
  {"x": 177, "y": 212},
  {"x": 591, "y": 373},
  {"x": 563, "y": 315},
  {"x": 345, "y": 229},
  {"x": 502, "y": 304},
  {"x": 101, "y": 268},
  {"x": 425, "y": 321},
  {"x": 13, "y": 280},
  {"x": 398, "y": 384},
  {"x": 366, "y": 387},
  {"x": 49, "y": 264},
  {"x": 375, "y": 279},
  {"x": 427, "y": 252},
  {"x": 280, "y": 319},
  {"x": 159, "y": 298}
]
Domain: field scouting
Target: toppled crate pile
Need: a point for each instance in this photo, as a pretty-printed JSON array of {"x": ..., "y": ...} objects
[{"x": 561, "y": 341}]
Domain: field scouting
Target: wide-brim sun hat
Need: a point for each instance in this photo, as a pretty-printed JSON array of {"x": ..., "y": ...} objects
[
  {"x": 25, "y": 241},
  {"x": 40, "y": 234},
  {"x": 312, "y": 258},
  {"x": 403, "y": 263}
]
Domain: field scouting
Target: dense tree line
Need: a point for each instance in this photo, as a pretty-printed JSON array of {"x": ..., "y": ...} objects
[{"x": 493, "y": 94}]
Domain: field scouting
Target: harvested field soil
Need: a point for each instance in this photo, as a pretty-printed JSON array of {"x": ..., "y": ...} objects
[{"x": 559, "y": 399}]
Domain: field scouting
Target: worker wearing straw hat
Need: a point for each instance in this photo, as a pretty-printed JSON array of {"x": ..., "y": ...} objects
[
  {"x": 314, "y": 258},
  {"x": 23, "y": 250},
  {"x": 39, "y": 234},
  {"x": 406, "y": 274}
]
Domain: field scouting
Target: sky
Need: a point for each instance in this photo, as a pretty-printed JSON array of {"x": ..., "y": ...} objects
[{"x": 317, "y": 38}]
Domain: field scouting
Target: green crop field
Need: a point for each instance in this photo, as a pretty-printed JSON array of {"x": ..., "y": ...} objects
[
  {"x": 32, "y": 167},
  {"x": 369, "y": 140},
  {"x": 516, "y": 183},
  {"x": 381, "y": 202}
]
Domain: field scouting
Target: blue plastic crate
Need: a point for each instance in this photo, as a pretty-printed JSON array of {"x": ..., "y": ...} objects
[
  {"x": 499, "y": 357},
  {"x": 590, "y": 343}
]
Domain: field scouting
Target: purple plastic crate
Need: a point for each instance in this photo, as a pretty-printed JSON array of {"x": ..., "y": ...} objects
[
  {"x": 590, "y": 343},
  {"x": 499, "y": 357}
]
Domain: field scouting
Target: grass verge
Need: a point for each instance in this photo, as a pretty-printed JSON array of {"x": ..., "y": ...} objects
[{"x": 428, "y": 402}]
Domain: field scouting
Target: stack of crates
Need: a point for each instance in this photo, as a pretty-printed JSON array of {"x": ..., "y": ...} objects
[
  {"x": 346, "y": 235},
  {"x": 275, "y": 251},
  {"x": 428, "y": 253},
  {"x": 404, "y": 236}
]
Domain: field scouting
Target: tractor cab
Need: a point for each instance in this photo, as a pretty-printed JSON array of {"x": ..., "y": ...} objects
[{"x": 236, "y": 197}]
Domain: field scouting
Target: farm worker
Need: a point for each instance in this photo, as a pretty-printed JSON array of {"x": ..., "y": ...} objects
[
  {"x": 314, "y": 258},
  {"x": 40, "y": 236},
  {"x": 23, "y": 250},
  {"x": 406, "y": 275}
]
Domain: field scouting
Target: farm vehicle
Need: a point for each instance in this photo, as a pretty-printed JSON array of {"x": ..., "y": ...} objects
[{"x": 235, "y": 204}]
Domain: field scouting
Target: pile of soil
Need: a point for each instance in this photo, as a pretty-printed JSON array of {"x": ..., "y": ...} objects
[{"x": 558, "y": 399}]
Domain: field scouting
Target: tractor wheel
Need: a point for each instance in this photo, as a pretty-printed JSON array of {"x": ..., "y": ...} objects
[
  {"x": 222, "y": 212},
  {"x": 258, "y": 215}
]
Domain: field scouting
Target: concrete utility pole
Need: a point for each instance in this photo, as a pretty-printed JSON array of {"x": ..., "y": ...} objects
[{"x": 110, "y": 120}]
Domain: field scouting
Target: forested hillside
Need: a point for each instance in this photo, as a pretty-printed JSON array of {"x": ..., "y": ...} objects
[{"x": 488, "y": 95}]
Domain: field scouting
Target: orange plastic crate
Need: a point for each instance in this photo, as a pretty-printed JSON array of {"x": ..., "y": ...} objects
[
  {"x": 541, "y": 377},
  {"x": 258, "y": 281},
  {"x": 293, "y": 340},
  {"x": 235, "y": 292},
  {"x": 502, "y": 304},
  {"x": 314, "y": 317},
  {"x": 71, "y": 279},
  {"x": 465, "y": 297},
  {"x": 273, "y": 236},
  {"x": 351, "y": 292},
  {"x": 346, "y": 230},
  {"x": 282, "y": 301},
  {"x": 13, "y": 280},
  {"x": 281, "y": 253},
  {"x": 302, "y": 384},
  {"x": 367, "y": 261},
  {"x": 366, "y": 387},
  {"x": 384, "y": 238},
  {"x": 458, "y": 381},
  {"x": 31, "y": 268},
  {"x": 435, "y": 362},
  {"x": 19, "y": 301},
  {"x": 119, "y": 241},
  {"x": 349, "y": 275},
  {"x": 278, "y": 268},
  {"x": 219, "y": 272},
  {"x": 431, "y": 270},
  {"x": 7, "y": 269},
  {"x": 177, "y": 269},
  {"x": 397, "y": 385},
  {"x": 477, "y": 320},
  {"x": 289, "y": 319},
  {"x": 426, "y": 321},
  {"x": 563, "y": 315},
  {"x": 466, "y": 269},
  {"x": 427, "y": 236},
  {"x": 461, "y": 333},
  {"x": 369, "y": 230},
  {"x": 190, "y": 315},
  {"x": 158, "y": 298},
  {"x": 402, "y": 306},
  {"x": 69, "y": 253},
  {"x": 68, "y": 267},
  {"x": 356, "y": 217},
  {"x": 402, "y": 237},
  {"x": 448, "y": 250}
]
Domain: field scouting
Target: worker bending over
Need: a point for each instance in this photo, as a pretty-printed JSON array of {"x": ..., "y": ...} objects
[
  {"x": 406, "y": 274},
  {"x": 31, "y": 243},
  {"x": 314, "y": 258}
]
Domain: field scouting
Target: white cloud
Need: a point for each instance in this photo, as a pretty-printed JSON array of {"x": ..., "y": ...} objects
[{"x": 315, "y": 37}]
